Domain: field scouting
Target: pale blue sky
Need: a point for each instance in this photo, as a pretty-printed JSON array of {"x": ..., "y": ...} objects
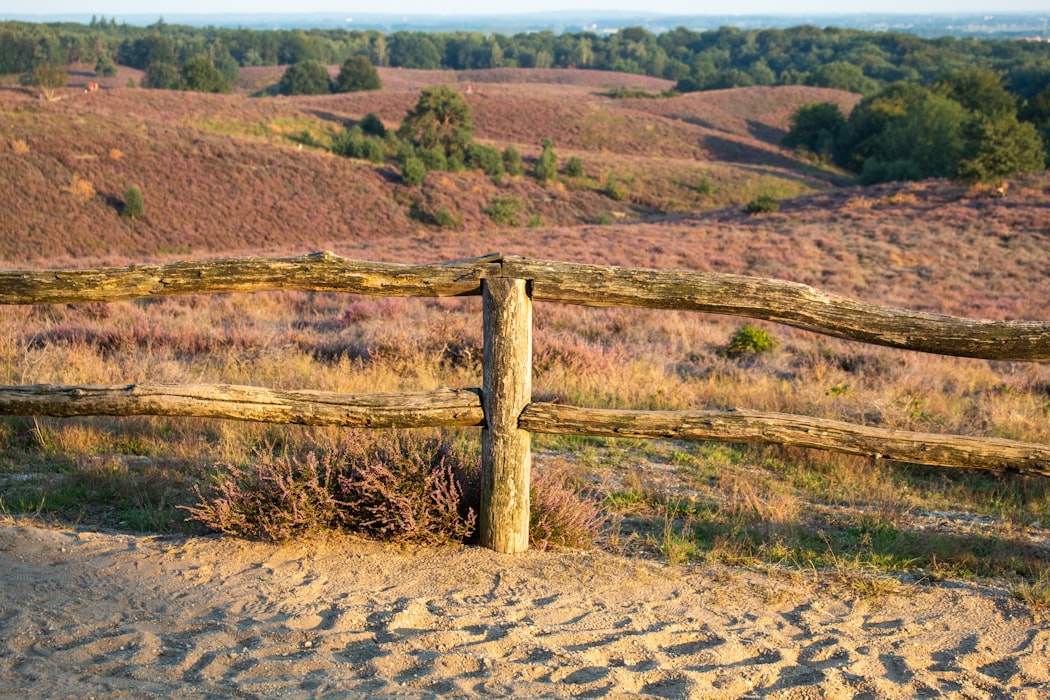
[{"x": 692, "y": 7}]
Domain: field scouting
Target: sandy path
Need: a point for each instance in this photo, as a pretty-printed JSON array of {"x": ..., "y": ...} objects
[{"x": 108, "y": 616}]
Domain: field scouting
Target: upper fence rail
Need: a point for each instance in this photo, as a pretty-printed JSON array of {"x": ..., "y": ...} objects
[{"x": 789, "y": 303}]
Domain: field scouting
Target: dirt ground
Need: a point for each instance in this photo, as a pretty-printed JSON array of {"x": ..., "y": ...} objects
[{"x": 89, "y": 614}]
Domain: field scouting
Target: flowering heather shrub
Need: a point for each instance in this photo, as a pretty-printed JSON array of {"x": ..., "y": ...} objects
[
  {"x": 276, "y": 498},
  {"x": 399, "y": 487},
  {"x": 405, "y": 488},
  {"x": 561, "y": 516},
  {"x": 396, "y": 485}
]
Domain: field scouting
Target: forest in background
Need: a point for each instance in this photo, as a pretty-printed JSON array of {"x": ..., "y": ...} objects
[{"x": 846, "y": 59}]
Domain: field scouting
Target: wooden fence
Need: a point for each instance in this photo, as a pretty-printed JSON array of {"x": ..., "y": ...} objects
[{"x": 502, "y": 406}]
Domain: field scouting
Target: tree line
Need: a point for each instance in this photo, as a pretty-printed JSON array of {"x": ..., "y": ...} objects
[
  {"x": 847, "y": 59},
  {"x": 965, "y": 126}
]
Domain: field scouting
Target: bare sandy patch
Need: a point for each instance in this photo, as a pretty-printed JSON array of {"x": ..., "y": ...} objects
[{"x": 117, "y": 615}]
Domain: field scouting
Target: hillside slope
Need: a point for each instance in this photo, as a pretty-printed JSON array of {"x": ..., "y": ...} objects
[{"x": 224, "y": 173}]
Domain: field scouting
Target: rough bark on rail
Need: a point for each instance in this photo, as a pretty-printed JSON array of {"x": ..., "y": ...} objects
[
  {"x": 444, "y": 407},
  {"x": 783, "y": 429},
  {"x": 316, "y": 272},
  {"x": 790, "y": 303}
]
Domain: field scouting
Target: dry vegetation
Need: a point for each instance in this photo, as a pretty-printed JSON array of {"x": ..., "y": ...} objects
[{"x": 224, "y": 175}]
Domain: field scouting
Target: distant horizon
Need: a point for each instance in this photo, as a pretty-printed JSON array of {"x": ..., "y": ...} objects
[{"x": 454, "y": 8}]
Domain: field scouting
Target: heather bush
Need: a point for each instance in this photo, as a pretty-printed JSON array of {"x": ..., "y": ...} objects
[
  {"x": 396, "y": 486},
  {"x": 276, "y": 498},
  {"x": 405, "y": 488},
  {"x": 560, "y": 515}
]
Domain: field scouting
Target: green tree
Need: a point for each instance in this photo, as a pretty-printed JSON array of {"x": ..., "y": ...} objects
[
  {"x": 307, "y": 77},
  {"x": 998, "y": 147},
  {"x": 104, "y": 66},
  {"x": 441, "y": 119},
  {"x": 371, "y": 124},
  {"x": 512, "y": 160},
  {"x": 50, "y": 79},
  {"x": 134, "y": 204},
  {"x": 547, "y": 164},
  {"x": 979, "y": 90},
  {"x": 842, "y": 76},
  {"x": 357, "y": 74},
  {"x": 200, "y": 75},
  {"x": 161, "y": 76},
  {"x": 413, "y": 172},
  {"x": 815, "y": 128},
  {"x": 929, "y": 136},
  {"x": 574, "y": 168}
]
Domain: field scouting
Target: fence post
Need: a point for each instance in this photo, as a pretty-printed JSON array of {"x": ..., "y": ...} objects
[{"x": 506, "y": 453}]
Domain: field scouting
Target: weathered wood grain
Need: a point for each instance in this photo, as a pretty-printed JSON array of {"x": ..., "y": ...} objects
[
  {"x": 315, "y": 272},
  {"x": 506, "y": 455},
  {"x": 444, "y": 407},
  {"x": 791, "y": 303},
  {"x": 782, "y": 429}
]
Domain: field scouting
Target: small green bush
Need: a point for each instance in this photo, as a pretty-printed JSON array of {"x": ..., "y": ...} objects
[
  {"x": 413, "y": 172},
  {"x": 705, "y": 186},
  {"x": 446, "y": 219},
  {"x": 574, "y": 168},
  {"x": 486, "y": 158},
  {"x": 134, "y": 204},
  {"x": 614, "y": 189},
  {"x": 763, "y": 204},
  {"x": 371, "y": 124},
  {"x": 547, "y": 165},
  {"x": 504, "y": 210},
  {"x": 749, "y": 340},
  {"x": 512, "y": 161}
]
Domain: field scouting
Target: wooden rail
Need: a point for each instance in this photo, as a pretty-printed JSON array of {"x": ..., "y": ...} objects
[{"x": 502, "y": 406}]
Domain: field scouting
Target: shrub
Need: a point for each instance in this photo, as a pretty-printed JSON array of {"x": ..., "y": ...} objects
[
  {"x": 434, "y": 157},
  {"x": 305, "y": 78},
  {"x": 561, "y": 516},
  {"x": 547, "y": 164},
  {"x": 275, "y": 499},
  {"x": 373, "y": 125},
  {"x": 763, "y": 204},
  {"x": 504, "y": 210},
  {"x": 574, "y": 168},
  {"x": 446, "y": 219},
  {"x": 134, "y": 204},
  {"x": 705, "y": 186},
  {"x": 199, "y": 74},
  {"x": 512, "y": 161},
  {"x": 406, "y": 488},
  {"x": 395, "y": 486},
  {"x": 352, "y": 143},
  {"x": 749, "y": 340},
  {"x": 357, "y": 74},
  {"x": 440, "y": 120},
  {"x": 614, "y": 189},
  {"x": 486, "y": 158},
  {"x": 413, "y": 172},
  {"x": 104, "y": 67}
]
